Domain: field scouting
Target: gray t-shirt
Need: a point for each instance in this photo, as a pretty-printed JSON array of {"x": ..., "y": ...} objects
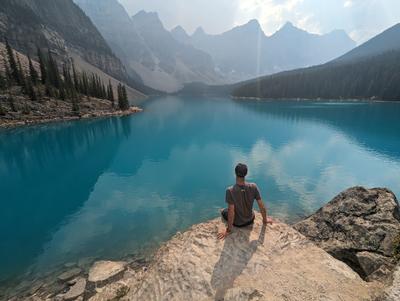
[{"x": 243, "y": 198}]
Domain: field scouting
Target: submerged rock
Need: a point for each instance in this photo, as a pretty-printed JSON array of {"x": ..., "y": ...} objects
[
  {"x": 358, "y": 227},
  {"x": 253, "y": 263},
  {"x": 68, "y": 275},
  {"x": 103, "y": 272}
]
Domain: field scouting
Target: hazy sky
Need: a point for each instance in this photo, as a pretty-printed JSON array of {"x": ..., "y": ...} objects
[{"x": 362, "y": 19}]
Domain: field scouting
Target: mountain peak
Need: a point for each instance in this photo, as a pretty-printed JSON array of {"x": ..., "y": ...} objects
[
  {"x": 144, "y": 18},
  {"x": 253, "y": 23},
  {"x": 180, "y": 34},
  {"x": 179, "y": 29},
  {"x": 145, "y": 14},
  {"x": 288, "y": 25},
  {"x": 199, "y": 31},
  {"x": 289, "y": 29}
]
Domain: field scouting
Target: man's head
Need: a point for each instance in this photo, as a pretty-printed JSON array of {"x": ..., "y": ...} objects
[{"x": 241, "y": 170}]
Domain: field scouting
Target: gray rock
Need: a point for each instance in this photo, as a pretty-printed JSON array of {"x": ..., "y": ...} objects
[
  {"x": 393, "y": 292},
  {"x": 358, "y": 227},
  {"x": 103, "y": 272},
  {"x": 271, "y": 263},
  {"x": 77, "y": 290},
  {"x": 68, "y": 275},
  {"x": 112, "y": 291}
]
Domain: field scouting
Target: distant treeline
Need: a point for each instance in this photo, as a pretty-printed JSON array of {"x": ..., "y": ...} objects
[
  {"x": 375, "y": 77},
  {"x": 68, "y": 85}
]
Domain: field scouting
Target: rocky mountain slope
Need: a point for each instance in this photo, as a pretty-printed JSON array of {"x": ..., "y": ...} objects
[
  {"x": 148, "y": 50},
  {"x": 387, "y": 41},
  {"x": 61, "y": 26},
  {"x": 246, "y": 52}
]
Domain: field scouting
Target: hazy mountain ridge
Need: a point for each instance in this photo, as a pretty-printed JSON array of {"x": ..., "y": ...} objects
[
  {"x": 61, "y": 26},
  {"x": 246, "y": 52},
  {"x": 147, "y": 48},
  {"x": 386, "y": 41},
  {"x": 371, "y": 71}
]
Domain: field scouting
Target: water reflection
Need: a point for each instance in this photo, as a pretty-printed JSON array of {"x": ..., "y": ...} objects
[
  {"x": 113, "y": 187},
  {"x": 47, "y": 173}
]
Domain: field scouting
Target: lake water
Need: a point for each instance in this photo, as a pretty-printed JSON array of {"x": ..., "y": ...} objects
[{"x": 113, "y": 187}]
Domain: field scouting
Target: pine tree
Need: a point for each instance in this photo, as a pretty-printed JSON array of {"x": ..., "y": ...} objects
[
  {"x": 76, "y": 79},
  {"x": 21, "y": 76},
  {"x": 7, "y": 72},
  {"x": 48, "y": 90},
  {"x": 3, "y": 82},
  {"x": 33, "y": 73},
  {"x": 30, "y": 90},
  {"x": 85, "y": 84},
  {"x": 110, "y": 95},
  {"x": 3, "y": 111},
  {"x": 123, "y": 102},
  {"x": 75, "y": 106},
  {"x": 42, "y": 64},
  {"x": 63, "y": 94},
  {"x": 15, "y": 75},
  {"x": 53, "y": 74},
  {"x": 125, "y": 96}
]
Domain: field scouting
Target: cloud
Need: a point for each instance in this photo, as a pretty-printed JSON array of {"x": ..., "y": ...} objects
[{"x": 348, "y": 3}]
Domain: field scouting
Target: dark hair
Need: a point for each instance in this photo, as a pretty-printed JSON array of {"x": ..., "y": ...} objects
[{"x": 241, "y": 170}]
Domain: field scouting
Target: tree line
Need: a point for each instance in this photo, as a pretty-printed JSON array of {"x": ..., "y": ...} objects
[
  {"x": 375, "y": 77},
  {"x": 66, "y": 85}
]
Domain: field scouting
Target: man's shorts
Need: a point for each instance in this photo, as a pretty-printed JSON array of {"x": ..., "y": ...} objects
[{"x": 224, "y": 214}]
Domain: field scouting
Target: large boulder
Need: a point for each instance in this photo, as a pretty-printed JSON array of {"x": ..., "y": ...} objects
[
  {"x": 254, "y": 263},
  {"x": 358, "y": 227}
]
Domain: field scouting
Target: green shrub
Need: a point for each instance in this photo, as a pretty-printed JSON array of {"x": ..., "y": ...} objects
[
  {"x": 26, "y": 110},
  {"x": 11, "y": 103},
  {"x": 2, "y": 111}
]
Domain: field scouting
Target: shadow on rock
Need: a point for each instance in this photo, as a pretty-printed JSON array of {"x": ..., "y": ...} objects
[{"x": 236, "y": 254}]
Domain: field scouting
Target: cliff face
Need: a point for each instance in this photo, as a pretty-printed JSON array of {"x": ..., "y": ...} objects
[
  {"x": 149, "y": 51},
  {"x": 61, "y": 26}
]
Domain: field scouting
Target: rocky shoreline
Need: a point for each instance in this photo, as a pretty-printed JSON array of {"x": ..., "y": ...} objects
[
  {"x": 16, "y": 110},
  {"x": 43, "y": 120},
  {"x": 345, "y": 251}
]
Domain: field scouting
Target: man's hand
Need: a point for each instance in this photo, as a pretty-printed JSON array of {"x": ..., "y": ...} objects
[
  {"x": 223, "y": 234},
  {"x": 268, "y": 221}
]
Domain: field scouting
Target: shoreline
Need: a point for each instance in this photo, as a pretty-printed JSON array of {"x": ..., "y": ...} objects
[
  {"x": 316, "y": 99},
  {"x": 94, "y": 115},
  {"x": 94, "y": 278}
]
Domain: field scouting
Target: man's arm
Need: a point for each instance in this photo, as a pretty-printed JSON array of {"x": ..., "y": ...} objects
[
  {"x": 263, "y": 211},
  {"x": 231, "y": 218}
]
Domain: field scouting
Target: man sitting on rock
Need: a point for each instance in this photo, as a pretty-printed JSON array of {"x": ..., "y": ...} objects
[{"x": 240, "y": 198}]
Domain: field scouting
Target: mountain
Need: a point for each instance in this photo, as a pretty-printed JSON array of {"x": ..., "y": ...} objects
[
  {"x": 371, "y": 71},
  {"x": 384, "y": 42},
  {"x": 180, "y": 34},
  {"x": 147, "y": 48},
  {"x": 63, "y": 27},
  {"x": 246, "y": 52}
]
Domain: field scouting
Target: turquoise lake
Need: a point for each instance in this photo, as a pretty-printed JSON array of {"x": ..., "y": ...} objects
[{"x": 112, "y": 187}]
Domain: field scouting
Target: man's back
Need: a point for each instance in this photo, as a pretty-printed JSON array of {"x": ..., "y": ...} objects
[{"x": 243, "y": 196}]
